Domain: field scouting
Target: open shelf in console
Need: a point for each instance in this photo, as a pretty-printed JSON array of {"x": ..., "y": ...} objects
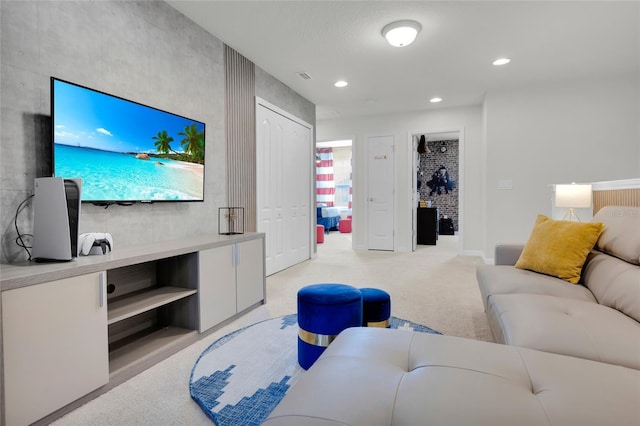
[
  {"x": 147, "y": 347},
  {"x": 138, "y": 303},
  {"x": 152, "y": 308}
]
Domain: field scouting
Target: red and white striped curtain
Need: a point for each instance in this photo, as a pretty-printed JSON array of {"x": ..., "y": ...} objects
[{"x": 325, "y": 185}]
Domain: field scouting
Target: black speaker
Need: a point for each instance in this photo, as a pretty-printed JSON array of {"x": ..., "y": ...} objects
[{"x": 56, "y": 217}]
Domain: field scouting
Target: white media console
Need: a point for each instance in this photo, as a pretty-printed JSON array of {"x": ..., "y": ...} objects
[{"x": 71, "y": 331}]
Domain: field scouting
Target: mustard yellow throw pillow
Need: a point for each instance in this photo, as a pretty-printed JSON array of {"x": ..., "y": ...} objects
[{"x": 559, "y": 247}]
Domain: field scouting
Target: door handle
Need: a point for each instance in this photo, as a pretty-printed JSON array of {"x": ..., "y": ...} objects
[{"x": 102, "y": 284}]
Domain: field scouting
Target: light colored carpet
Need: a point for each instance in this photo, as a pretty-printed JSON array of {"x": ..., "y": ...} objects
[
  {"x": 432, "y": 286},
  {"x": 233, "y": 391}
]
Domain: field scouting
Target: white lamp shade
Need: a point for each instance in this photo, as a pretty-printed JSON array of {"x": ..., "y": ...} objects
[
  {"x": 573, "y": 196},
  {"x": 401, "y": 33}
]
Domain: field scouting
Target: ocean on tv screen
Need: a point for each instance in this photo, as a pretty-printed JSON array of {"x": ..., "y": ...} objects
[{"x": 129, "y": 176}]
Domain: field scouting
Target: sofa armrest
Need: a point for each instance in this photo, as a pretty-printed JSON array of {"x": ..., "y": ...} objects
[{"x": 507, "y": 254}]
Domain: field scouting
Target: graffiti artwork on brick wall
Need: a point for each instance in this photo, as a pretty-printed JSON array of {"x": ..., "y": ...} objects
[
  {"x": 437, "y": 176},
  {"x": 441, "y": 182}
]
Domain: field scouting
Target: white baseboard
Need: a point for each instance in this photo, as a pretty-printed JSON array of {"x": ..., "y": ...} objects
[{"x": 478, "y": 253}]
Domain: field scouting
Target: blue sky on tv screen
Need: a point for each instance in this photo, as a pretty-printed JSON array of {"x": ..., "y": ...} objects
[{"x": 91, "y": 119}]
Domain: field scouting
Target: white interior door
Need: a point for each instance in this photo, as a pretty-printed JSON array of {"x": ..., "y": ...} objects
[
  {"x": 298, "y": 182},
  {"x": 380, "y": 192},
  {"x": 284, "y": 187},
  {"x": 269, "y": 192}
]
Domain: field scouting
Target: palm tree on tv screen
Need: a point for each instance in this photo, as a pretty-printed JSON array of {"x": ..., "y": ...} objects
[
  {"x": 193, "y": 142},
  {"x": 163, "y": 142}
]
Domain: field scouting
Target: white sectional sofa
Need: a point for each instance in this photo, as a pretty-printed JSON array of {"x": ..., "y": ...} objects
[
  {"x": 570, "y": 357},
  {"x": 597, "y": 319}
]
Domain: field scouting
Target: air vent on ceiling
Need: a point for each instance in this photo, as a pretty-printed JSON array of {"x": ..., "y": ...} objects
[{"x": 304, "y": 76}]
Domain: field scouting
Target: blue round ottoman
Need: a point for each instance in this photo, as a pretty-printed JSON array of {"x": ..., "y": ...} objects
[
  {"x": 324, "y": 310},
  {"x": 376, "y": 307}
]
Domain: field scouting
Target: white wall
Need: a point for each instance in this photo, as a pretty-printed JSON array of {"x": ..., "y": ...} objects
[
  {"x": 582, "y": 131},
  {"x": 401, "y": 126}
]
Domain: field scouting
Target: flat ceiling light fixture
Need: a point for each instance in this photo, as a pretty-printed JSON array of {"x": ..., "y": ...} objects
[
  {"x": 435, "y": 100},
  {"x": 401, "y": 33},
  {"x": 501, "y": 61},
  {"x": 340, "y": 83}
]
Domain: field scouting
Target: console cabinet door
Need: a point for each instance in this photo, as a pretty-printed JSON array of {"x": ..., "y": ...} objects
[
  {"x": 249, "y": 273},
  {"x": 217, "y": 286},
  {"x": 55, "y": 345}
]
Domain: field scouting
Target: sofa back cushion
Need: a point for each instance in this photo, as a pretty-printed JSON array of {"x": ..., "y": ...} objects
[
  {"x": 614, "y": 283},
  {"x": 621, "y": 235},
  {"x": 612, "y": 271}
]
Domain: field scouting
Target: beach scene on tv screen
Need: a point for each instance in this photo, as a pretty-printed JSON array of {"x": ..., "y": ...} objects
[{"x": 124, "y": 151}]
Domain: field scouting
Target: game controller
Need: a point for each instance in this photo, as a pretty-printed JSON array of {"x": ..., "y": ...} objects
[{"x": 95, "y": 243}]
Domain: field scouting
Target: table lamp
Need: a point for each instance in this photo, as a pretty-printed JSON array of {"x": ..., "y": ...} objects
[{"x": 573, "y": 196}]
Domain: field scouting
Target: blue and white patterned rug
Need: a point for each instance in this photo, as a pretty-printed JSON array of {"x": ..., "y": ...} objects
[{"x": 241, "y": 377}]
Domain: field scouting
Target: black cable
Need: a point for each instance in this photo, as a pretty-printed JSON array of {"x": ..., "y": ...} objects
[{"x": 21, "y": 242}]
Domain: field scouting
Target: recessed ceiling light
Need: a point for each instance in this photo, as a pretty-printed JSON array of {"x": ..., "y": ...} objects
[
  {"x": 401, "y": 33},
  {"x": 435, "y": 100},
  {"x": 340, "y": 83},
  {"x": 501, "y": 61}
]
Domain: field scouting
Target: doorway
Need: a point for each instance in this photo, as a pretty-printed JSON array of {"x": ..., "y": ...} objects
[
  {"x": 334, "y": 189},
  {"x": 436, "y": 181}
]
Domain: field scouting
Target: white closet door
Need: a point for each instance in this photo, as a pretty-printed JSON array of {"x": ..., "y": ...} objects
[
  {"x": 269, "y": 191},
  {"x": 299, "y": 187},
  {"x": 284, "y": 187}
]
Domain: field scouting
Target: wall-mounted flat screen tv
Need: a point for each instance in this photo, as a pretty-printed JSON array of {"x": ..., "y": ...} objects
[{"x": 124, "y": 151}]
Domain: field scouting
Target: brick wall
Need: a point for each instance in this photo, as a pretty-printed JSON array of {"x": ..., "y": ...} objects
[{"x": 430, "y": 162}]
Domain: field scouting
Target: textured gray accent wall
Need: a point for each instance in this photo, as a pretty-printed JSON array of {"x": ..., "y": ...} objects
[
  {"x": 274, "y": 91},
  {"x": 145, "y": 51}
]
